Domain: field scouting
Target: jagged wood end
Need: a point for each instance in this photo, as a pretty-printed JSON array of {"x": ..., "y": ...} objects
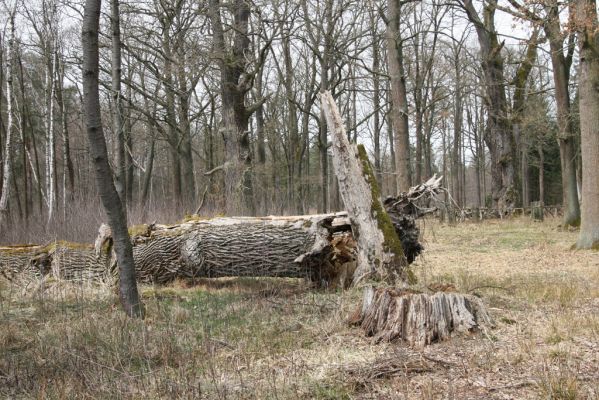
[
  {"x": 419, "y": 319},
  {"x": 380, "y": 253}
]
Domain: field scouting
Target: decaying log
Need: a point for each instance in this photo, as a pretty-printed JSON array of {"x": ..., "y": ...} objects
[
  {"x": 406, "y": 208},
  {"x": 298, "y": 247},
  {"x": 317, "y": 247},
  {"x": 63, "y": 260},
  {"x": 244, "y": 246},
  {"x": 380, "y": 254},
  {"x": 390, "y": 314},
  {"x": 416, "y": 201}
]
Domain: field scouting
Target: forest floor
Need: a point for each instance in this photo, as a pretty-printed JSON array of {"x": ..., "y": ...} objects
[{"x": 279, "y": 339}]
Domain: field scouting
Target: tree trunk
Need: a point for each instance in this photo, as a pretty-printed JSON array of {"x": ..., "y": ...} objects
[
  {"x": 68, "y": 168},
  {"x": 294, "y": 247},
  {"x": 399, "y": 97},
  {"x": 457, "y": 139},
  {"x": 524, "y": 173},
  {"x": 187, "y": 172},
  {"x": 171, "y": 116},
  {"x": 49, "y": 126},
  {"x": 108, "y": 194},
  {"x": 419, "y": 319},
  {"x": 498, "y": 133},
  {"x": 7, "y": 169},
  {"x": 232, "y": 62},
  {"x": 588, "y": 42},
  {"x": 541, "y": 173},
  {"x": 128, "y": 131},
  {"x": 147, "y": 181},
  {"x": 566, "y": 136},
  {"x": 393, "y": 189},
  {"x": 318, "y": 247},
  {"x": 376, "y": 97},
  {"x": 380, "y": 253},
  {"x": 120, "y": 181}
]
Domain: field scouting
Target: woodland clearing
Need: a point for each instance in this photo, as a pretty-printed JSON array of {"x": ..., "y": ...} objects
[{"x": 278, "y": 338}]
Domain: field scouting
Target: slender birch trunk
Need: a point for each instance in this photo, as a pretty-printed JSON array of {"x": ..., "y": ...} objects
[{"x": 8, "y": 146}]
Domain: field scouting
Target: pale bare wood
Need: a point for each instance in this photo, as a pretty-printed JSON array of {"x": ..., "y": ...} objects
[
  {"x": 390, "y": 314},
  {"x": 380, "y": 253}
]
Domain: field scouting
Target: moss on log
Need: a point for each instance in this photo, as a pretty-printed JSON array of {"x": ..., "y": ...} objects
[{"x": 380, "y": 254}]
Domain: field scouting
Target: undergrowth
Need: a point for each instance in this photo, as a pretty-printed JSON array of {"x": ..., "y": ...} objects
[{"x": 281, "y": 339}]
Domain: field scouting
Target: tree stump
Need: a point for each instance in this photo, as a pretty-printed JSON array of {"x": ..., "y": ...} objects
[
  {"x": 536, "y": 213},
  {"x": 391, "y": 314},
  {"x": 476, "y": 217}
]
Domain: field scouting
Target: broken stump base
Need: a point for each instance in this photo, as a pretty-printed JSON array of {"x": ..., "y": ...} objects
[{"x": 390, "y": 314}]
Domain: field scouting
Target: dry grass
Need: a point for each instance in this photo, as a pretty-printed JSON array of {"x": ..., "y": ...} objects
[{"x": 278, "y": 339}]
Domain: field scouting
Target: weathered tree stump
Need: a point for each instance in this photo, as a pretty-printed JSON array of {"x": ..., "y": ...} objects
[
  {"x": 536, "y": 211},
  {"x": 390, "y": 314}
]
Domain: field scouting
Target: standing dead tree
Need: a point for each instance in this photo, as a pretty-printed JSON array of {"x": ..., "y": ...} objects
[{"x": 380, "y": 253}]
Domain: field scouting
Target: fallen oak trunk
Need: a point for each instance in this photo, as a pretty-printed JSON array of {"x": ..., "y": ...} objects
[
  {"x": 317, "y": 247},
  {"x": 285, "y": 246},
  {"x": 214, "y": 248},
  {"x": 391, "y": 314},
  {"x": 296, "y": 247},
  {"x": 63, "y": 260}
]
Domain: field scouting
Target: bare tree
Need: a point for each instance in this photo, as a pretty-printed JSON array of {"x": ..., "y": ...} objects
[
  {"x": 237, "y": 80},
  {"x": 399, "y": 97},
  {"x": 108, "y": 194},
  {"x": 561, "y": 62},
  {"x": 587, "y": 27},
  {"x": 7, "y": 169}
]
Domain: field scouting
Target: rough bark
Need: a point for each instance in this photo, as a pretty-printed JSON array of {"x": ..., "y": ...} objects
[
  {"x": 241, "y": 246},
  {"x": 120, "y": 181},
  {"x": 108, "y": 194},
  {"x": 318, "y": 247},
  {"x": 390, "y": 314},
  {"x": 235, "y": 83},
  {"x": 498, "y": 133},
  {"x": 399, "y": 98},
  {"x": 296, "y": 247},
  {"x": 588, "y": 42},
  {"x": 380, "y": 254}
]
